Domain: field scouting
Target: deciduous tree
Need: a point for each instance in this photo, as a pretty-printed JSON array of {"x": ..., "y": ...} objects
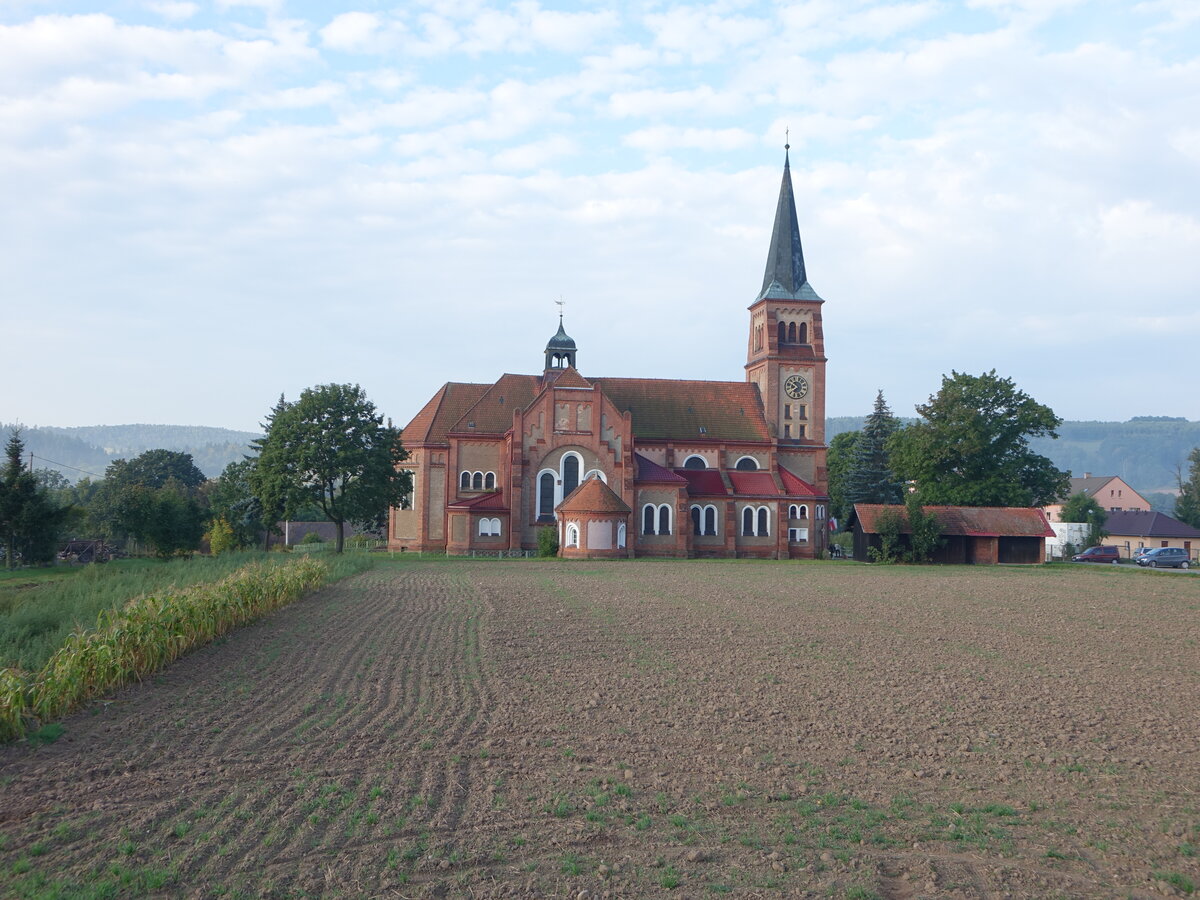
[
  {"x": 838, "y": 461},
  {"x": 331, "y": 448},
  {"x": 972, "y": 447}
]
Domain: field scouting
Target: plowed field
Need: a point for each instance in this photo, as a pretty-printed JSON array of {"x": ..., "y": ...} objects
[{"x": 519, "y": 728}]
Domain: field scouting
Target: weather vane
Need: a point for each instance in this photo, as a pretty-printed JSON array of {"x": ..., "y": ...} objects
[
  {"x": 787, "y": 139},
  {"x": 560, "y": 303}
]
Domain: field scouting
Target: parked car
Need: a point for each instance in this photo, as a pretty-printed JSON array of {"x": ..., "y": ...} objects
[
  {"x": 1098, "y": 555},
  {"x": 1165, "y": 557},
  {"x": 1141, "y": 551}
]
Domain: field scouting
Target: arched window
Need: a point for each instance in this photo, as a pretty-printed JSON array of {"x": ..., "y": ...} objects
[
  {"x": 664, "y": 519},
  {"x": 792, "y": 511},
  {"x": 747, "y": 522},
  {"x": 572, "y": 535},
  {"x": 621, "y": 536},
  {"x": 695, "y": 462},
  {"x": 570, "y": 473},
  {"x": 489, "y": 481},
  {"x": 782, "y": 332},
  {"x": 696, "y": 526},
  {"x": 546, "y": 494},
  {"x": 803, "y": 333},
  {"x": 747, "y": 464},
  {"x": 764, "y": 522},
  {"x": 710, "y": 520},
  {"x": 648, "y": 519},
  {"x": 820, "y": 511},
  {"x": 477, "y": 481},
  {"x": 489, "y": 527},
  {"x": 464, "y": 481},
  {"x": 803, "y": 511}
]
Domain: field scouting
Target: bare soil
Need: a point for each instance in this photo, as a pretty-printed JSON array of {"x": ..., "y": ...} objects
[{"x": 484, "y": 729}]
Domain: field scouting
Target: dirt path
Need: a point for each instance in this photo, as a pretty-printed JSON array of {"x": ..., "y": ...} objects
[{"x": 521, "y": 729}]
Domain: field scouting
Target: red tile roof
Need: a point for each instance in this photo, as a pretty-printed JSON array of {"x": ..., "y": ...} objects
[
  {"x": 704, "y": 482},
  {"x": 1139, "y": 523},
  {"x": 755, "y": 484},
  {"x": 795, "y": 486},
  {"x": 593, "y": 496},
  {"x": 432, "y": 423},
  {"x": 492, "y": 412},
  {"x": 489, "y": 502},
  {"x": 680, "y": 410},
  {"x": 649, "y": 471},
  {"x": 570, "y": 378},
  {"x": 971, "y": 521}
]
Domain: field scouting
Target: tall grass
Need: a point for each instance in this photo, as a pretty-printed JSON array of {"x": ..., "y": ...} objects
[
  {"x": 150, "y": 631},
  {"x": 37, "y": 614}
]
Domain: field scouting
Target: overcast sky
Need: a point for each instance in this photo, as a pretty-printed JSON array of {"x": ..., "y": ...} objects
[{"x": 203, "y": 205}]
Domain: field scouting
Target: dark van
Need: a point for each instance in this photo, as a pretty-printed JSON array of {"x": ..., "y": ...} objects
[{"x": 1098, "y": 555}]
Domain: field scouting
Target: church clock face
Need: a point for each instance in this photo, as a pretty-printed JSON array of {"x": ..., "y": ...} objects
[{"x": 796, "y": 386}]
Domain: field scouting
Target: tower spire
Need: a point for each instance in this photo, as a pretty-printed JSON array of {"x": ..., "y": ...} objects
[{"x": 785, "y": 276}]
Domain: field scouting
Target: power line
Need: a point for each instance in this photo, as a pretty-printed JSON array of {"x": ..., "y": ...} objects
[{"x": 64, "y": 465}]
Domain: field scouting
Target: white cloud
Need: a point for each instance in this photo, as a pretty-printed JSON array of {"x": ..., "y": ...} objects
[
  {"x": 664, "y": 138},
  {"x": 173, "y": 10},
  {"x": 353, "y": 32}
]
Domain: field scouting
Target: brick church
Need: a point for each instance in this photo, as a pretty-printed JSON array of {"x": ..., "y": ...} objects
[{"x": 625, "y": 467}]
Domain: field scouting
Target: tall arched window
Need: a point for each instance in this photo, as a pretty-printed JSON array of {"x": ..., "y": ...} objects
[
  {"x": 803, "y": 333},
  {"x": 792, "y": 332},
  {"x": 648, "y": 516},
  {"x": 782, "y": 332},
  {"x": 546, "y": 494},
  {"x": 664, "y": 519},
  {"x": 764, "y": 522},
  {"x": 695, "y": 462},
  {"x": 747, "y": 464},
  {"x": 802, "y": 513},
  {"x": 710, "y": 520},
  {"x": 696, "y": 526},
  {"x": 621, "y": 536},
  {"x": 570, "y": 473},
  {"x": 477, "y": 481},
  {"x": 572, "y": 535},
  {"x": 489, "y": 481},
  {"x": 464, "y": 481},
  {"x": 747, "y": 522}
]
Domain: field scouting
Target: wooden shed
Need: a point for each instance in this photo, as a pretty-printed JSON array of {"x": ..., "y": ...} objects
[{"x": 979, "y": 535}]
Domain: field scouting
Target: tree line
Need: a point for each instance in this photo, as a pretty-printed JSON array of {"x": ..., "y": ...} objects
[{"x": 328, "y": 455}]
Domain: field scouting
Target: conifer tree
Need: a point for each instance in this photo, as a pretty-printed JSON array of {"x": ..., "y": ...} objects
[
  {"x": 1187, "y": 504},
  {"x": 29, "y": 519},
  {"x": 871, "y": 479}
]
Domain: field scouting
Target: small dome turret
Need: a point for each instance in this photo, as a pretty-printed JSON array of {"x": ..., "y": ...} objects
[{"x": 560, "y": 349}]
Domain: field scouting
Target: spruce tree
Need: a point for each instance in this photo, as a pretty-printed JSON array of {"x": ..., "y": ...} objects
[
  {"x": 871, "y": 479},
  {"x": 1187, "y": 504}
]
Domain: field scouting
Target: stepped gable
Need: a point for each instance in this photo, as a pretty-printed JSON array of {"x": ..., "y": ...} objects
[
  {"x": 754, "y": 484},
  {"x": 593, "y": 496},
  {"x": 1139, "y": 523},
  {"x": 492, "y": 413},
  {"x": 650, "y": 472},
  {"x": 432, "y": 424},
  {"x": 664, "y": 409},
  {"x": 704, "y": 482},
  {"x": 795, "y": 486},
  {"x": 488, "y": 502},
  {"x": 971, "y": 521}
]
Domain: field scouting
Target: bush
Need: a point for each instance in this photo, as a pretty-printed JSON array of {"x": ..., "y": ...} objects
[
  {"x": 312, "y": 538},
  {"x": 547, "y": 541},
  {"x": 890, "y": 526}
]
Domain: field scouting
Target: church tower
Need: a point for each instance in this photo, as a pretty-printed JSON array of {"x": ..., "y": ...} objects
[
  {"x": 560, "y": 349},
  {"x": 786, "y": 352}
]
